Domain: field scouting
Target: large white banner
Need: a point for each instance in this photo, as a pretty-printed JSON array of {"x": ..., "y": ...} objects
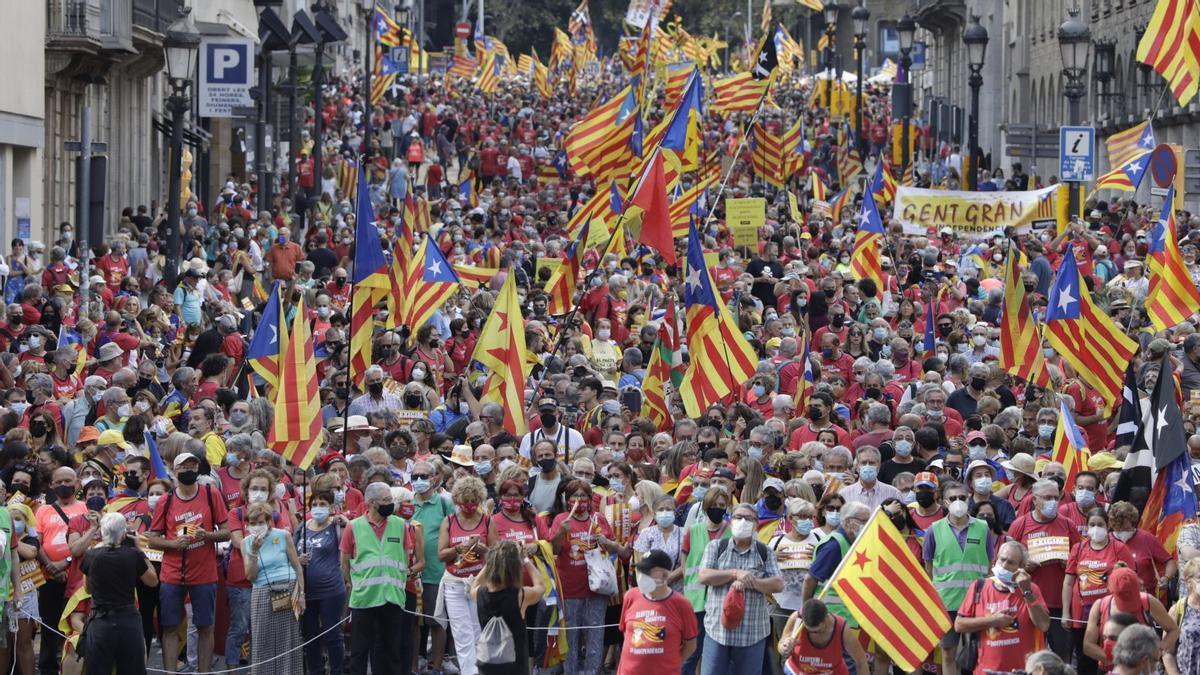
[{"x": 977, "y": 215}]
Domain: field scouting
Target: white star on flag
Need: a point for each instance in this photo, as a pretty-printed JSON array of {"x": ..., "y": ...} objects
[
  {"x": 274, "y": 333},
  {"x": 1134, "y": 168},
  {"x": 435, "y": 267},
  {"x": 1162, "y": 421},
  {"x": 693, "y": 279},
  {"x": 1065, "y": 300},
  {"x": 864, "y": 219}
]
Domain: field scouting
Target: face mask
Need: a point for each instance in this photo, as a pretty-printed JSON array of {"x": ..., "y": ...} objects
[
  {"x": 741, "y": 529},
  {"x": 153, "y": 501},
  {"x": 868, "y": 473},
  {"x": 547, "y": 465},
  {"x": 698, "y": 492},
  {"x": 64, "y": 491},
  {"x": 133, "y": 481},
  {"x": 880, "y": 334},
  {"x": 339, "y": 496},
  {"x": 755, "y": 453},
  {"x": 19, "y": 407},
  {"x": 616, "y": 484},
  {"x": 924, "y": 499},
  {"x": 1085, "y": 498},
  {"x": 256, "y": 496},
  {"x": 665, "y": 519},
  {"x": 715, "y": 515},
  {"x": 483, "y": 468},
  {"x": 512, "y": 504},
  {"x": 323, "y": 312},
  {"x": 976, "y": 452},
  {"x": 646, "y": 584},
  {"x": 385, "y": 510},
  {"x": 904, "y": 448},
  {"x": 603, "y": 334},
  {"x": 418, "y": 375},
  {"x": 376, "y": 389},
  {"x": 635, "y": 503},
  {"x": 548, "y": 420},
  {"x": 773, "y": 502},
  {"x": 1124, "y": 535},
  {"x": 406, "y": 511},
  {"x": 958, "y": 509},
  {"x": 907, "y": 497},
  {"x": 815, "y": 413},
  {"x": 1045, "y": 430},
  {"x": 1003, "y": 575},
  {"x": 421, "y": 485},
  {"x": 833, "y": 519},
  {"x": 257, "y": 530},
  {"x": 468, "y": 508},
  {"x": 1050, "y": 508},
  {"x": 759, "y": 390},
  {"x": 280, "y": 490},
  {"x": 238, "y": 418},
  {"x": 95, "y": 503},
  {"x": 411, "y": 401},
  {"x": 320, "y": 513},
  {"x": 983, "y": 485},
  {"x": 1098, "y": 534},
  {"x": 125, "y": 410}
]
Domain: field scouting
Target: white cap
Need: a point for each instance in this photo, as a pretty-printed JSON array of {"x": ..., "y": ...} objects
[{"x": 183, "y": 457}]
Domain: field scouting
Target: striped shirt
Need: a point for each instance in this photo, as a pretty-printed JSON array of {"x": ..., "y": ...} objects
[{"x": 756, "y": 622}]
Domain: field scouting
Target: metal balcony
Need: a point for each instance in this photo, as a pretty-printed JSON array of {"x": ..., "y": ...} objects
[{"x": 89, "y": 26}]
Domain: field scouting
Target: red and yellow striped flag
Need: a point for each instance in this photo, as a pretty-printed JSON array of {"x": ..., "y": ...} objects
[
  {"x": 296, "y": 432},
  {"x": 1171, "y": 46},
  {"x": 1125, "y": 146},
  {"x": 739, "y": 93},
  {"x": 767, "y": 156},
  {"x": 1020, "y": 339},
  {"x": 563, "y": 283},
  {"x": 1070, "y": 445},
  {"x": 1173, "y": 296},
  {"x": 890, "y": 594},
  {"x": 501, "y": 349}
]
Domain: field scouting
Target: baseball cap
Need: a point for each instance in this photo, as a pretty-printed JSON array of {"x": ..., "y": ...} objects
[
  {"x": 1102, "y": 461},
  {"x": 926, "y": 479},
  {"x": 773, "y": 482},
  {"x": 183, "y": 457},
  {"x": 1124, "y": 586},
  {"x": 113, "y": 437},
  {"x": 976, "y": 435},
  {"x": 724, "y": 473},
  {"x": 654, "y": 559},
  {"x": 547, "y": 404}
]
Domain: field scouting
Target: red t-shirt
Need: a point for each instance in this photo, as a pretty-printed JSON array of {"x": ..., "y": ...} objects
[
  {"x": 655, "y": 631},
  {"x": 1049, "y": 545},
  {"x": 231, "y": 488},
  {"x": 806, "y": 433},
  {"x": 581, "y": 536},
  {"x": 1150, "y": 558},
  {"x": 1091, "y": 568},
  {"x": 205, "y": 510},
  {"x": 64, "y": 389},
  {"x": 77, "y": 525},
  {"x": 1004, "y": 649}
]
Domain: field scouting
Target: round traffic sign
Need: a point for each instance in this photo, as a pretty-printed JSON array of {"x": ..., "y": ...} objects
[{"x": 1163, "y": 165}]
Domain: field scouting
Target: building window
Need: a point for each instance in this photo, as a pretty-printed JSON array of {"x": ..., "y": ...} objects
[{"x": 889, "y": 42}]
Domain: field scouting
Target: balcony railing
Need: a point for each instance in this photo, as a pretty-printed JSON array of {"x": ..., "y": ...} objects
[{"x": 104, "y": 22}]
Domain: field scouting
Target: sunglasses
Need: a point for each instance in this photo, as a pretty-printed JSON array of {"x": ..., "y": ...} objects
[
  {"x": 958, "y": 498},
  {"x": 421, "y": 476}
]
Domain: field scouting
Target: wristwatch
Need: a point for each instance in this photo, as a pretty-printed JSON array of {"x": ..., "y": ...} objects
[
  {"x": 69, "y": 559},
  {"x": 1029, "y": 595}
]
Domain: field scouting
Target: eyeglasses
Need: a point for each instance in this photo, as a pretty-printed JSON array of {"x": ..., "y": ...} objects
[
  {"x": 957, "y": 498},
  {"x": 744, "y": 517}
]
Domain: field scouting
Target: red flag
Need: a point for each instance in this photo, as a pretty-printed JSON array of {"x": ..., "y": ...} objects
[{"x": 651, "y": 197}]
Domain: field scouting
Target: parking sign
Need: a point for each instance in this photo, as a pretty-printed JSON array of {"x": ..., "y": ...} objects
[
  {"x": 226, "y": 75},
  {"x": 1077, "y": 154}
]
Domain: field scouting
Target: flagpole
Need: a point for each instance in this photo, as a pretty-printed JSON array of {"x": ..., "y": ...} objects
[{"x": 846, "y": 558}]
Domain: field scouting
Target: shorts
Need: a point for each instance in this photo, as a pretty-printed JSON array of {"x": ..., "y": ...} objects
[
  {"x": 202, "y": 596},
  {"x": 950, "y": 639}
]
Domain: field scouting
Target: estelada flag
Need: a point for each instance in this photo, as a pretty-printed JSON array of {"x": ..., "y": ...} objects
[
  {"x": 296, "y": 432},
  {"x": 888, "y": 591}
]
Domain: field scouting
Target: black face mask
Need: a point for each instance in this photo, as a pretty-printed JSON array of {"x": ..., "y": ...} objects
[
  {"x": 1029, "y": 287},
  {"x": 900, "y": 521},
  {"x": 773, "y": 502},
  {"x": 944, "y": 331},
  {"x": 715, "y": 515},
  {"x": 925, "y": 499},
  {"x": 385, "y": 352},
  {"x": 705, "y": 446},
  {"x": 37, "y": 429},
  {"x": 873, "y": 392},
  {"x": 818, "y": 491},
  {"x": 978, "y": 383},
  {"x": 376, "y": 388},
  {"x": 188, "y": 477},
  {"x": 385, "y": 510},
  {"x": 341, "y": 392},
  {"x": 412, "y": 401},
  {"x": 815, "y": 413},
  {"x": 64, "y": 492},
  {"x": 143, "y": 382},
  {"x": 20, "y": 487},
  {"x": 837, "y": 320},
  {"x": 740, "y": 483},
  {"x": 829, "y": 292},
  {"x": 95, "y": 504},
  {"x": 547, "y": 465},
  {"x": 133, "y": 481},
  {"x": 548, "y": 420}
]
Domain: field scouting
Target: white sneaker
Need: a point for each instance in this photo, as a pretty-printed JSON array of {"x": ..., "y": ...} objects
[{"x": 449, "y": 667}]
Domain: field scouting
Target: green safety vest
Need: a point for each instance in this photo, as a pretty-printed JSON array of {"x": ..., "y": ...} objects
[
  {"x": 379, "y": 569},
  {"x": 955, "y": 567},
  {"x": 6, "y": 531},
  {"x": 693, "y": 590},
  {"x": 831, "y": 599}
]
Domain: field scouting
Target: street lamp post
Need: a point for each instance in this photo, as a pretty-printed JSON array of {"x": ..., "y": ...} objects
[
  {"x": 1074, "y": 41},
  {"x": 906, "y": 29},
  {"x": 976, "y": 39},
  {"x": 182, "y": 43},
  {"x": 860, "y": 15},
  {"x": 272, "y": 36},
  {"x": 831, "y": 11},
  {"x": 304, "y": 31},
  {"x": 330, "y": 32},
  {"x": 368, "y": 8}
]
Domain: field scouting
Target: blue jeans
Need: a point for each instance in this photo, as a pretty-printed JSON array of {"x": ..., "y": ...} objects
[
  {"x": 689, "y": 666},
  {"x": 732, "y": 660},
  {"x": 239, "y": 623},
  {"x": 319, "y": 615}
]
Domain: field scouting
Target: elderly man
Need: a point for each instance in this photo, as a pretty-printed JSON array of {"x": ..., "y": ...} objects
[
  {"x": 965, "y": 400},
  {"x": 116, "y": 409},
  {"x": 1136, "y": 651},
  {"x": 1049, "y": 539},
  {"x": 202, "y": 424},
  {"x": 77, "y": 411},
  {"x": 867, "y": 489},
  {"x": 375, "y": 562},
  {"x": 376, "y": 398},
  {"x": 829, "y": 554},
  {"x": 740, "y": 563},
  {"x": 1011, "y": 623}
]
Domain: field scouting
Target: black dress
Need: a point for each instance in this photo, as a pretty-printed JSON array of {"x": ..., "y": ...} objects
[{"x": 505, "y": 604}]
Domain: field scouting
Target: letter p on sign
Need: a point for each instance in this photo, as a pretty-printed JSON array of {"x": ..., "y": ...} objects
[{"x": 227, "y": 63}]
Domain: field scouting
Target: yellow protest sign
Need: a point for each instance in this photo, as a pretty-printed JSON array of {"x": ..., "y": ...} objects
[
  {"x": 977, "y": 215},
  {"x": 744, "y": 217},
  {"x": 797, "y": 217}
]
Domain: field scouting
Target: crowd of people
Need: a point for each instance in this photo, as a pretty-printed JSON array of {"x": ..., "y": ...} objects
[{"x": 429, "y": 539}]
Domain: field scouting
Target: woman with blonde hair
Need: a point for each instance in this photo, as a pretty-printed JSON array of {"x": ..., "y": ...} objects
[
  {"x": 272, "y": 564},
  {"x": 462, "y": 544},
  {"x": 499, "y": 591}
]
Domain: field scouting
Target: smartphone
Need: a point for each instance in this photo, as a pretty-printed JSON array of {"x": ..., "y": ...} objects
[{"x": 632, "y": 399}]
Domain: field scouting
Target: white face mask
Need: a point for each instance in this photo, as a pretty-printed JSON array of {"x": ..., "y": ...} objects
[
  {"x": 256, "y": 496},
  {"x": 958, "y": 509},
  {"x": 257, "y": 530},
  {"x": 647, "y": 584},
  {"x": 741, "y": 528}
]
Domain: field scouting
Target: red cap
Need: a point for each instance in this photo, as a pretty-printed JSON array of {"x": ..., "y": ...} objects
[
  {"x": 329, "y": 458},
  {"x": 1126, "y": 590}
]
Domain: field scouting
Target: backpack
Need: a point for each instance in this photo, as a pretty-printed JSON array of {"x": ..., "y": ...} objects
[
  {"x": 759, "y": 547},
  {"x": 495, "y": 645}
]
